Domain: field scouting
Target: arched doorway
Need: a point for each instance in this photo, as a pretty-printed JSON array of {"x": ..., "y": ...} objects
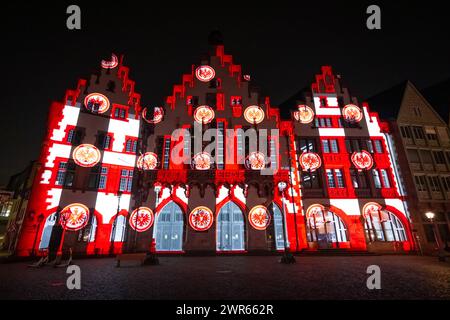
[
  {"x": 325, "y": 228},
  {"x": 278, "y": 227},
  {"x": 169, "y": 226},
  {"x": 230, "y": 228},
  {"x": 47, "y": 231}
]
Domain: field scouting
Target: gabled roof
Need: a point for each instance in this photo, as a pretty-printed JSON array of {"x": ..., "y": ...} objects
[
  {"x": 387, "y": 103},
  {"x": 291, "y": 103},
  {"x": 438, "y": 95}
]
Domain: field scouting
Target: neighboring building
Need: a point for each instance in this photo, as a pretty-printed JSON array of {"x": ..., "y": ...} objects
[
  {"x": 6, "y": 207},
  {"x": 117, "y": 176},
  {"x": 423, "y": 144},
  {"x": 20, "y": 185}
]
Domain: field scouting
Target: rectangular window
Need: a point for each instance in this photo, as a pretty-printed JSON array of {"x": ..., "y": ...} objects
[
  {"x": 94, "y": 178},
  {"x": 406, "y": 132},
  {"x": 220, "y": 145},
  {"x": 70, "y": 136},
  {"x": 103, "y": 178},
  {"x": 421, "y": 184},
  {"x": 166, "y": 153},
  {"x": 273, "y": 154},
  {"x": 307, "y": 145},
  {"x": 120, "y": 113},
  {"x": 326, "y": 146},
  {"x": 419, "y": 133},
  {"x": 70, "y": 174},
  {"x": 240, "y": 144},
  {"x": 236, "y": 100},
  {"x": 426, "y": 156},
  {"x": 126, "y": 180},
  {"x": 354, "y": 177},
  {"x": 187, "y": 144},
  {"x": 334, "y": 146},
  {"x": 376, "y": 178},
  {"x": 413, "y": 156},
  {"x": 330, "y": 178},
  {"x": 434, "y": 184},
  {"x": 339, "y": 178},
  {"x": 446, "y": 183},
  {"x": 359, "y": 180},
  {"x": 61, "y": 175},
  {"x": 131, "y": 146},
  {"x": 370, "y": 146},
  {"x": 311, "y": 180},
  {"x": 439, "y": 157},
  {"x": 385, "y": 177},
  {"x": 378, "y": 146}
]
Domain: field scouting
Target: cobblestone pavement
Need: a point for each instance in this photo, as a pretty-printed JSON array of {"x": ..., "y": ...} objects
[{"x": 234, "y": 277}]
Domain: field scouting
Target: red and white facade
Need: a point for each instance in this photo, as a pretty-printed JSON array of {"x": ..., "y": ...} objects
[{"x": 109, "y": 181}]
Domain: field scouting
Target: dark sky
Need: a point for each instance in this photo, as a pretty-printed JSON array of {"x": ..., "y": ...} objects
[{"x": 281, "y": 46}]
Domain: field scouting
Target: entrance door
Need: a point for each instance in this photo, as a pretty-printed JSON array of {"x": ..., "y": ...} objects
[
  {"x": 169, "y": 227},
  {"x": 47, "y": 232},
  {"x": 230, "y": 228}
]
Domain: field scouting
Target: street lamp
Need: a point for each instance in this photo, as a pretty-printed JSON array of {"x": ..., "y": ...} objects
[
  {"x": 287, "y": 257},
  {"x": 430, "y": 215}
]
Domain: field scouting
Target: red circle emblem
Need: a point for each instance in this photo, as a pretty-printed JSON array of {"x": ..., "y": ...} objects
[
  {"x": 304, "y": 114},
  {"x": 147, "y": 161},
  {"x": 310, "y": 161},
  {"x": 96, "y": 102},
  {"x": 74, "y": 217},
  {"x": 259, "y": 218},
  {"x": 158, "y": 115},
  {"x": 254, "y": 114},
  {"x": 111, "y": 64},
  {"x": 205, "y": 73},
  {"x": 201, "y": 161},
  {"x": 141, "y": 219},
  {"x": 256, "y": 161},
  {"x": 204, "y": 114},
  {"x": 362, "y": 160},
  {"x": 86, "y": 155},
  {"x": 352, "y": 113},
  {"x": 201, "y": 219}
]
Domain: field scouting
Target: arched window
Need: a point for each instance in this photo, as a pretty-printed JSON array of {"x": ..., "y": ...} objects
[
  {"x": 278, "y": 227},
  {"x": 230, "y": 228},
  {"x": 383, "y": 225},
  {"x": 325, "y": 227},
  {"x": 118, "y": 232},
  {"x": 93, "y": 230},
  {"x": 168, "y": 230},
  {"x": 47, "y": 231}
]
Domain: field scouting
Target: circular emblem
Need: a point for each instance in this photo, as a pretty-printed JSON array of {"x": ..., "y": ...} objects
[
  {"x": 362, "y": 160},
  {"x": 259, "y": 218},
  {"x": 201, "y": 219},
  {"x": 254, "y": 114},
  {"x": 304, "y": 114},
  {"x": 256, "y": 161},
  {"x": 201, "y": 161},
  {"x": 86, "y": 155},
  {"x": 74, "y": 217},
  {"x": 111, "y": 64},
  {"x": 147, "y": 161},
  {"x": 158, "y": 115},
  {"x": 310, "y": 161},
  {"x": 205, "y": 73},
  {"x": 96, "y": 102},
  {"x": 141, "y": 219},
  {"x": 352, "y": 113},
  {"x": 315, "y": 210},
  {"x": 371, "y": 208},
  {"x": 204, "y": 114}
]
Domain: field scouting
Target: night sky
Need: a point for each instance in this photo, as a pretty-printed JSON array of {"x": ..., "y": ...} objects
[{"x": 282, "y": 48}]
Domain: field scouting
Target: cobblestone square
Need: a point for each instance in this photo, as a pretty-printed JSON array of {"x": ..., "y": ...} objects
[{"x": 234, "y": 277}]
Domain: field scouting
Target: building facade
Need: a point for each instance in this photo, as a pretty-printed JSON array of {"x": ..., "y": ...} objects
[
  {"x": 214, "y": 170},
  {"x": 423, "y": 143}
]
